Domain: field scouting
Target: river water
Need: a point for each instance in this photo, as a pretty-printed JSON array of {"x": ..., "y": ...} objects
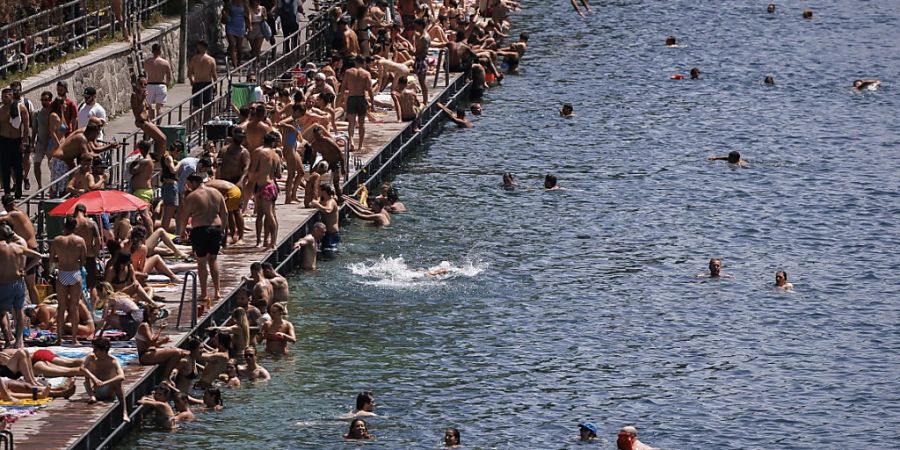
[{"x": 583, "y": 304}]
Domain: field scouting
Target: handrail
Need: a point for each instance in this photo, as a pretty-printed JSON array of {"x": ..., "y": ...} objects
[{"x": 189, "y": 275}]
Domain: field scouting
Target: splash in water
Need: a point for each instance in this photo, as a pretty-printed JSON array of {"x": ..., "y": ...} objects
[{"x": 395, "y": 273}]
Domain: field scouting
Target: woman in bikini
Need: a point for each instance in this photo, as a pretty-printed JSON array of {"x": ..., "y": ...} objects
[
  {"x": 276, "y": 331},
  {"x": 141, "y": 259},
  {"x": 150, "y": 345},
  {"x": 120, "y": 274},
  {"x": 120, "y": 311},
  {"x": 238, "y": 327},
  {"x": 293, "y": 142}
]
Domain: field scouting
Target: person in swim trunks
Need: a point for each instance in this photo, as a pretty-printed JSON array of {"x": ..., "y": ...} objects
[
  {"x": 420, "y": 66},
  {"x": 201, "y": 74},
  {"x": 141, "y": 171},
  {"x": 232, "y": 195},
  {"x": 265, "y": 168},
  {"x": 12, "y": 284},
  {"x": 206, "y": 209},
  {"x": 356, "y": 85},
  {"x": 69, "y": 253},
  {"x": 328, "y": 207},
  {"x": 104, "y": 376}
]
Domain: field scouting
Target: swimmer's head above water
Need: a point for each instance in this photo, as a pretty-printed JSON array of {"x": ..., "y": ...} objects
[
  {"x": 671, "y": 41},
  {"x": 715, "y": 267},
  {"x": 769, "y": 81},
  {"x": 771, "y": 8},
  {"x": 451, "y": 437},
  {"x": 550, "y": 182},
  {"x": 508, "y": 180},
  {"x": 476, "y": 109},
  {"x": 807, "y": 13},
  {"x": 566, "y": 110},
  {"x": 695, "y": 73},
  {"x": 734, "y": 157},
  {"x": 587, "y": 431}
]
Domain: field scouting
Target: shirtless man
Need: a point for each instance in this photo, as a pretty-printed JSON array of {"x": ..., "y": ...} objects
[
  {"x": 308, "y": 246},
  {"x": 206, "y": 208},
  {"x": 390, "y": 71},
  {"x": 420, "y": 66},
  {"x": 141, "y": 111},
  {"x": 376, "y": 213},
  {"x": 313, "y": 182},
  {"x": 459, "y": 118},
  {"x": 159, "y": 75},
  {"x": 88, "y": 230},
  {"x": 104, "y": 376},
  {"x": 69, "y": 253},
  {"x": 406, "y": 102},
  {"x": 257, "y": 128},
  {"x": 715, "y": 270},
  {"x": 253, "y": 371},
  {"x": 479, "y": 83},
  {"x": 733, "y": 157},
  {"x": 232, "y": 195},
  {"x": 159, "y": 401},
  {"x": 515, "y": 52},
  {"x": 781, "y": 281},
  {"x": 141, "y": 171},
  {"x": 265, "y": 168},
  {"x": 83, "y": 180},
  {"x": 21, "y": 225},
  {"x": 628, "y": 440},
  {"x": 14, "y": 135},
  {"x": 12, "y": 287},
  {"x": 328, "y": 207},
  {"x": 276, "y": 331},
  {"x": 280, "y": 288},
  {"x": 323, "y": 144},
  {"x": 262, "y": 291},
  {"x": 63, "y": 158},
  {"x": 357, "y": 84},
  {"x": 201, "y": 74}
]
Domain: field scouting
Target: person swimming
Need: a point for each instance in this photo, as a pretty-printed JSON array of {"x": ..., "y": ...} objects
[
  {"x": 715, "y": 270},
  {"x": 807, "y": 13},
  {"x": 769, "y": 81},
  {"x": 550, "y": 182},
  {"x": 476, "y": 109},
  {"x": 587, "y": 431},
  {"x": 770, "y": 8},
  {"x": 733, "y": 157},
  {"x": 509, "y": 181},
  {"x": 358, "y": 430},
  {"x": 566, "y": 110},
  {"x": 695, "y": 73},
  {"x": 862, "y": 85},
  {"x": 628, "y": 440},
  {"x": 781, "y": 281},
  {"x": 451, "y": 437},
  {"x": 671, "y": 41}
]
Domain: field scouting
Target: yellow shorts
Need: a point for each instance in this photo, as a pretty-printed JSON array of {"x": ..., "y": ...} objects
[
  {"x": 144, "y": 194},
  {"x": 233, "y": 199}
]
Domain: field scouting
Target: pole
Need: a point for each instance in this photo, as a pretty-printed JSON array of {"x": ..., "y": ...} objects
[{"x": 182, "y": 43}]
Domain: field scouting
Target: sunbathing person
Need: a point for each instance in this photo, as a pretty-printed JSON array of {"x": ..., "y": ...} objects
[
  {"x": 121, "y": 275},
  {"x": 86, "y": 326},
  {"x": 49, "y": 364},
  {"x": 17, "y": 363},
  {"x": 142, "y": 259}
]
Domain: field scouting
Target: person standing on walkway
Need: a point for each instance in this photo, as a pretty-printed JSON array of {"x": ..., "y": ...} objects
[
  {"x": 14, "y": 133},
  {"x": 90, "y": 112},
  {"x": 70, "y": 109},
  {"x": 12, "y": 287},
  {"x": 206, "y": 209},
  {"x": 159, "y": 76},
  {"x": 420, "y": 65},
  {"x": 357, "y": 83},
  {"x": 236, "y": 17},
  {"x": 22, "y": 226},
  {"x": 288, "y": 11},
  {"x": 42, "y": 136},
  {"x": 16, "y": 86},
  {"x": 255, "y": 33},
  {"x": 201, "y": 74},
  {"x": 68, "y": 252}
]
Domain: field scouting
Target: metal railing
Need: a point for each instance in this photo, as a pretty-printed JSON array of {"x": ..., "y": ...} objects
[
  {"x": 192, "y": 276},
  {"x": 44, "y": 35}
]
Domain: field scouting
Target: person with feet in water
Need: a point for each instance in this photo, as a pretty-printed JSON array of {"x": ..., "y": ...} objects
[
  {"x": 358, "y": 430},
  {"x": 733, "y": 157},
  {"x": 781, "y": 281},
  {"x": 584, "y": 3},
  {"x": 628, "y": 440},
  {"x": 459, "y": 118},
  {"x": 104, "y": 376},
  {"x": 566, "y": 110},
  {"x": 550, "y": 183},
  {"x": 308, "y": 246},
  {"x": 587, "y": 431},
  {"x": 862, "y": 85},
  {"x": 451, "y": 437}
]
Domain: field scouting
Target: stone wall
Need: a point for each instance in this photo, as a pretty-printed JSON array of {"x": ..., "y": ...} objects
[{"x": 107, "y": 70}]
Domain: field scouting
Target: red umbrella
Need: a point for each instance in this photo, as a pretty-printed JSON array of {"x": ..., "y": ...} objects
[{"x": 100, "y": 202}]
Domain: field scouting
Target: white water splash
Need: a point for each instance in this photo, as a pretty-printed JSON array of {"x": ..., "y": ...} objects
[{"x": 395, "y": 273}]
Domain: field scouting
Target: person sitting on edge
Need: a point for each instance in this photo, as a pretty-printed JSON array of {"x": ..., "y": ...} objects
[
  {"x": 871, "y": 84},
  {"x": 451, "y": 437},
  {"x": 781, "y": 281},
  {"x": 628, "y": 440},
  {"x": 733, "y": 157},
  {"x": 459, "y": 118},
  {"x": 566, "y": 110},
  {"x": 550, "y": 183},
  {"x": 376, "y": 213},
  {"x": 358, "y": 430},
  {"x": 587, "y": 431},
  {"x": 308, "y": 246},
  {"x": 104, "y": 376}
]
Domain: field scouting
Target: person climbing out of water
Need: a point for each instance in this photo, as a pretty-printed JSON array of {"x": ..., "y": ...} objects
[
  {"x": 566, "y": 110},
  {"x": 358, "y": 430},
  {"x": 376, "y": 213},
  {"x": 550, "y": 183},
  {"x": 862, "y": 85},
  {"x": 733, "y": 157},
  {"x": 628, "y": 440},
  {"x": 451, "y": 437},
  {"x": 584, "y": 3},
  {"x": 587, "y": 431},
  {"x": 459, "y": 118},
  {"x": 781, "y": 281}
]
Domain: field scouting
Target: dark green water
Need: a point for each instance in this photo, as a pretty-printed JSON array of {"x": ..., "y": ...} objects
[{"x": 582, "y": 304}]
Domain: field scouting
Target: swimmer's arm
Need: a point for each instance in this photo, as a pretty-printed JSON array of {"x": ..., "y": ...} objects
[
  {"x": 289, "y": 336},
  {"x": 303, "y": 242},
  {"x": 717, "y": 158}
]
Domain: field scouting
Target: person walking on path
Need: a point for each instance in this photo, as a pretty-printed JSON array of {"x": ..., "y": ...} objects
[
  {"x": 14, "y": 134},
  {"x": 159, "y": 76}
]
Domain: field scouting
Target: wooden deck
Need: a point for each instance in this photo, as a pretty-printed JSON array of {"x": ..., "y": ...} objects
[{"x": 75, "y": 424}]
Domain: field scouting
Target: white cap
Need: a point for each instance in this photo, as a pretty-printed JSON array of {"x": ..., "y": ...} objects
[{"x": 321, "y": 76}]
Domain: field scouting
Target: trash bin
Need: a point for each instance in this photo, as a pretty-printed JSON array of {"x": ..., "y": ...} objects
[
  {"x": 174, "y": 133},
  {"x": 53, "y": 225},
  {"x": 241, "y": 93}
]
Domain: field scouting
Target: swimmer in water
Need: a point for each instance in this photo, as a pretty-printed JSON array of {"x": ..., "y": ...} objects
[
  {"x": 550, "y": 183},
  {"x": 587, "y": 431},
  {"x": 451, "y": 437},
  {"x": 733, "y": 157},
  {"x": 434, "y": 272},
  {"x": 695, "y": 73},
  {"x": 862, "y": 85},
  {"x": 509, "y": 182},
  {"x": 476, "y": 109},
  {"x": 365, "y": 406},
  {"x": 566, "y": 110},
  {"x": 587, "y": 7},
  {"x": 769, "y": 81},
  {"x": 807, "y": 13},
  {"x": 358, "y": 430},
  {"x": 628, "y": 440},
  {"x": 770, "y": 8},
  {"x": 715, "y": 270},
  {"x": 671, "y": 42},
  {"x": 781, "y": 281},
  {"x": 459, "y": 118}
]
